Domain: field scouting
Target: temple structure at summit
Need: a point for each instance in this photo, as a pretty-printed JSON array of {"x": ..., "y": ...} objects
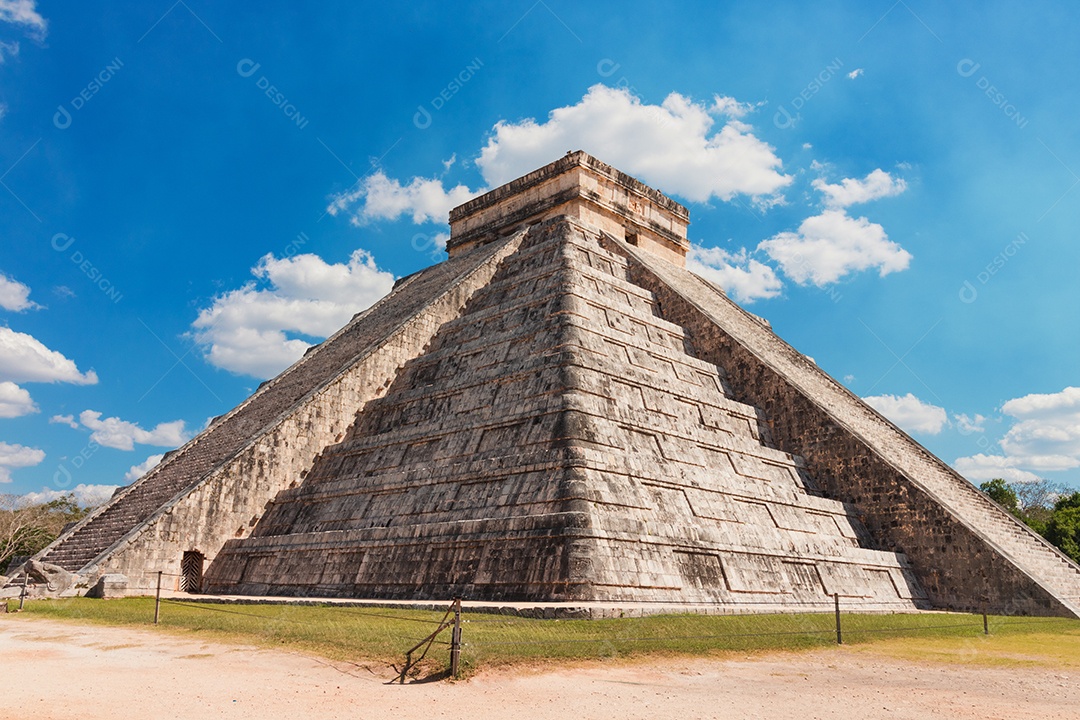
[{"x": 561, "y": 412}]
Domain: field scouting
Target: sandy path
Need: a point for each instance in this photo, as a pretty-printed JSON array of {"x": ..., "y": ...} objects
[{"x": 59, "y": 670}]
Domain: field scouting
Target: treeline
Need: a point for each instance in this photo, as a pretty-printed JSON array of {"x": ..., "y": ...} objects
[
  {"x": 27, "y": 527},
  {"x": 1047, "y": 508}
]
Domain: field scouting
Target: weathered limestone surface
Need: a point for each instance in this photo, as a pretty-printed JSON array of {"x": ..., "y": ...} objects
[
  {"x": 215, "y": 487},
  {"x": 968, "y": 553},
  {"x": 561, "y": 441},
  {"x": 581, "y": 187},
  {"x": 112, "y": 585},
  {"x": 45, "y": 580},
  {"x": 561, "y": 412}
]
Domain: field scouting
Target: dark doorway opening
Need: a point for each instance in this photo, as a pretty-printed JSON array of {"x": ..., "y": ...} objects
[{"x": 191, "y": 570}]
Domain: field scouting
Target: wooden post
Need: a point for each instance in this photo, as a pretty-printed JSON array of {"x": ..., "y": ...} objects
[
  {"x": 25, "y": 581},
  {"x": 839, "y": 635},
  {"x": 986, "y": 625},
  {"x": 157, "y": 599},
  {"x": 455, "y": 640}
]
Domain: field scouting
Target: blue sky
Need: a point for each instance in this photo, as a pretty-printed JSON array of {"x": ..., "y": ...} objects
[{"x": 192, "y": 194}]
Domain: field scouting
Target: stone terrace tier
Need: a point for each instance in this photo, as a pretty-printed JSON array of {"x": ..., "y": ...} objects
[
  {"x": 561, "y": 441},
  {"x": 271, "y": 439}
]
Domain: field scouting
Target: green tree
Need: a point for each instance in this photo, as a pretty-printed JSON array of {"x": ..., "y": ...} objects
[
  {"x": 1064, "y": 527},
  {"x": 1037, "y": 500},
  {"x": 1003, "y": 494},
  {"x": 1067, "y": 501}
]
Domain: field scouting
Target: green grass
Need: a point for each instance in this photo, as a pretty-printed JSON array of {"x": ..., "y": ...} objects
[{"x": 383, "y": 635}]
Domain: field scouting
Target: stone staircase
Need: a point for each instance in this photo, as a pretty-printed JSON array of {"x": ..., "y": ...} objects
[
  {"x": 232, "y": 432},
  {"x": 1015, "y": 541}
]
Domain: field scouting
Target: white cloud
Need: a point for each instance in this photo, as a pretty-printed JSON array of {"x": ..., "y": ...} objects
[
  {"x": 23, "y": 12},
  {"x": 247, "y": 331},
  {"x": 15, "y": 401},
  {"x": 731, "y": 107},
  {"x": 850, "y": 191},
  {"x": 8, "y": 50},
  {"x": 137, "y": 471},
  {"x": 674, "y": 146},
  {"x": 122, "y": 435},
  {"x": 1044, "y": 437},
  {"x": 833, "y": 244},
  {"x": 910, "y": 413},
  {"x": 693, "y": 150},
  {"x": 425, "y": 199},
  {"x": 14, "y": 295},
  {"x": 978, "y": 468},
  {"x": 24, "y": 359},
  {"x": 1047, "y": 434},
  {"x": 855, "y": 73},
  {"x": 68, "y": 420},
  {"x": 17, "y": 456},
  {"x": 967, "y": 425},
  {"x": 85, "y": 495},
  {"x": 741, "y": 276}
]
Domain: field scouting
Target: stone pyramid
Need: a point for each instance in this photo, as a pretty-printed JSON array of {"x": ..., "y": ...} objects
[{"x": 562, "y": 412}]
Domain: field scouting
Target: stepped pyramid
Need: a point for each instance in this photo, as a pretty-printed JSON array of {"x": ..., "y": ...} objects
[{"x": 562, "y": 412}]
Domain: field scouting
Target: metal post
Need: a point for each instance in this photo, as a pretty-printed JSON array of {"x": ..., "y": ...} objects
[
  {"x": 839, "y": 635},
  {"x": 157, "y": 599},
  {"x": 25, "y": 581},
  {"x": 986, "y": 625},
  {"x": 455, "y": 640}
]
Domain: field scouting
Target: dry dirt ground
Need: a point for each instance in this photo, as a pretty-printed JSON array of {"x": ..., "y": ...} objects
[{"x": 53, "y": 669}]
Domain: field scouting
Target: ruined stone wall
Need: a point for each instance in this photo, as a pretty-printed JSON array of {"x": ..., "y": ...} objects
[{"x": 967, "y": 554}]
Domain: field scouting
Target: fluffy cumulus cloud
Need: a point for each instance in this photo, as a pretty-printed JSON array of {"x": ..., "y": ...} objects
[
  {"x": 690, "y": 149},
  {"x": 741, "y": 276},
  {"x": 85, "y": 495},
  {"x": 24, "y": 14},
  {"x": 1044, "y": 437},
  {"x": 120, "y": 434},
  {"x": 422, "y": 199},
  {"x": 829, "y": 246},
  {"x": 15, "y": 401},
  {"x": 967, "y": 425},
  {"x": 17, "y": 456},
  {"x": 137, "y": 471},
  {"x": 698, "y": 151},
  {"x": 23, "y": 358},
  {"x": 981, "y": 467},
  {"x": 851, "y": 191},
  {"x": 253, "y": 330},
  {"x": 910, "y": 413},
  {"x": 14, "y": 295},
  {"x": 68, "y": 420},
  {"x": 1046, "y": 434}
]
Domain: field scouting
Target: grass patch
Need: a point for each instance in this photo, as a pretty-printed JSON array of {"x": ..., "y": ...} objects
[
  {"x": 1025, "y": 648},
  {"x": 383, "y": 635}
]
